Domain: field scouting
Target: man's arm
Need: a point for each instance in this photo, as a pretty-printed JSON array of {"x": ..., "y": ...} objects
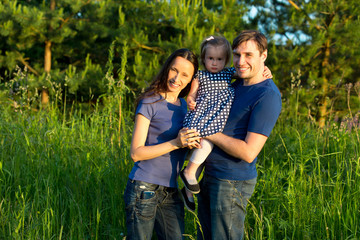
[{"x": 245, "y": 150}]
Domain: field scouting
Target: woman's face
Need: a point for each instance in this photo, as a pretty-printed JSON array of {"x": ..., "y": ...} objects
[{"x": 180, "y": 74}]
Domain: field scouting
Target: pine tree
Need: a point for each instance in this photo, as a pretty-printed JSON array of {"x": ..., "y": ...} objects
[
  {"x": 41, "y": 35},
  {"x": 320, "y": 38},
  {"x": 175, "y": 24},
  {"x": 75, "y": 35}
]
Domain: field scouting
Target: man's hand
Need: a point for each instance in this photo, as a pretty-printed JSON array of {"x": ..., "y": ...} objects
[
  {"x": 267, "y": 73},
  {"x": 245, "y": 150}
]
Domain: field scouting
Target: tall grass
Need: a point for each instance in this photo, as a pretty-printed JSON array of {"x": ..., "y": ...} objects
[
  {"x": 63, "y": 174},
  {"x": 308, "y": 186},
  {"x": 61, "y": 179}
]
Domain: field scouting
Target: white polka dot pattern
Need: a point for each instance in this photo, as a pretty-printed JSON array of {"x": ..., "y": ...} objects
[{"x": 213, "y": 102}]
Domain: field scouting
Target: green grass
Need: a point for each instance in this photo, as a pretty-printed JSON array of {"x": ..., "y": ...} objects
[
  {"x": 308, "y": 186},
  {"x": 63, "y": 174},
  {"x": 61, "y": 179}
]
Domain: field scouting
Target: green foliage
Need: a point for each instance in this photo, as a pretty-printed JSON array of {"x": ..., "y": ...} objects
[
  {"x": 319, "y": 38},
  {"x": 316, "y": 38},
  {"x": 75, "y": 29},
  {"x": 63, "y": 172},
  {"x": 92, "y": 75},
  {"x": 308, "y": 193},
  {"x": 60, "y": 196},
  {"x": 82, "y": 31}
]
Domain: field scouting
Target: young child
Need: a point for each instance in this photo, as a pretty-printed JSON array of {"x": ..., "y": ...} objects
[{"x": 209, "y": 101}]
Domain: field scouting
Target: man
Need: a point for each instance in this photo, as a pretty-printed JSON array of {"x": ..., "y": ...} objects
[{"x": 230, "y": 170}]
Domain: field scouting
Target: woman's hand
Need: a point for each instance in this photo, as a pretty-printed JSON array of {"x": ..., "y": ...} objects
[
  {"x": 139, "y": 151},
  {"x": 188, "y": 138}
]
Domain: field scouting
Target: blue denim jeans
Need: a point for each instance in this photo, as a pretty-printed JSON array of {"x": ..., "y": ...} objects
[
  {"x": 222, "y": 207},
  {"x": 152, "y": 207}
]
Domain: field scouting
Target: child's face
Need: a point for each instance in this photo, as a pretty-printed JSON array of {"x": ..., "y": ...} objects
[{"x": 214, "y": 58}]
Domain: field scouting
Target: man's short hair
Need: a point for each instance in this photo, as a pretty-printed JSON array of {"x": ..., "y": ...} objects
[{"x": 248, "y": 35}]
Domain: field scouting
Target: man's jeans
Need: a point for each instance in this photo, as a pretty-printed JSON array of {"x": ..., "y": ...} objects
[
  {"x": 222, "y": 207},
  {"x": 150, "y": 206}
]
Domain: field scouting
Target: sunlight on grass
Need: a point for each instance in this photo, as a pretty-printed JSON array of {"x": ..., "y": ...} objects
[{"x": 63, "y": 172}]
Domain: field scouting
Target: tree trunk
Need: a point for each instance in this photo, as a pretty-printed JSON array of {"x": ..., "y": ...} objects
[
  {"x": 47, "y": 57},
  {"x": 325, "y": 85},
  {"x": 47, "y": 69},
  {"x": 323, "y": 104},
  {"x": 47, "y": 62}
]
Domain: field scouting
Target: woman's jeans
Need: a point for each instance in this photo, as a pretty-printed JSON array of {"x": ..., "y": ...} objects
[
  {"x": 222, "y": 207},
  {"x": 153, "y": 207}
]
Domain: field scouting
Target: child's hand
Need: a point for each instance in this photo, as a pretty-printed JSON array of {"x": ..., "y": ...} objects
[
  {"x": 191, "y": 104},
  {"x": 267, "y": 73}
]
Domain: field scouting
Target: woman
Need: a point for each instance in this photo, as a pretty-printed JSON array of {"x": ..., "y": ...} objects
[{"x": 158, "y": 149}]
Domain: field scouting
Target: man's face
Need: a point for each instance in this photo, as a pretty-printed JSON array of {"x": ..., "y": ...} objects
[{"x": 248, "y": 61}]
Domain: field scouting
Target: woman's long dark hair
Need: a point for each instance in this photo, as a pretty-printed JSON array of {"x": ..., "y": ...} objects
[{"x": 159, "y": 84}]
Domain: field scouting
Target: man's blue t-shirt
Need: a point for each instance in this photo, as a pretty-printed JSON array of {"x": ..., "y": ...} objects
[
  {"x": 165, "y": 122},
  {"x": 256, "y": 108}
]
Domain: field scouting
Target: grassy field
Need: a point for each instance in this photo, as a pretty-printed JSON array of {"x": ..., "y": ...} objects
[{"x": 63, "y": 174}]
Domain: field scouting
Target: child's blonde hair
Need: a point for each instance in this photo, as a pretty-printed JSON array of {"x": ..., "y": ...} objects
[{"x": 215, "y": 41}]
